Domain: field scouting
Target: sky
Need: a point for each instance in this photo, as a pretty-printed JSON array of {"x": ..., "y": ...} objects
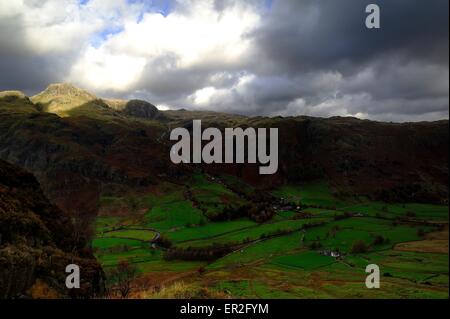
[{"x": 254, "y": 57}]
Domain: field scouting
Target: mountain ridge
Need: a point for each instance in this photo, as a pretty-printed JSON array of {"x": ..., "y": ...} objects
[{"x": 57, "y": 94}]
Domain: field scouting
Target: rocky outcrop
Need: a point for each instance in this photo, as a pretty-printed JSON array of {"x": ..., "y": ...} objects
[
  {"x": 142, "y": 109},
  {"x": 37, "y": 242},
  {"x": 135, "y": 108}
]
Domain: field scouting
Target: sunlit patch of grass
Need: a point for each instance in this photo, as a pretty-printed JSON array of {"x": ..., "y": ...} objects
[
  {"x": 106, "y": 243},
  {"x": 307, "y": 260},
  {"x": 170, "y": 216},
  {"x": 143, "y": 235},
  {"x": 314, "y": 194}
]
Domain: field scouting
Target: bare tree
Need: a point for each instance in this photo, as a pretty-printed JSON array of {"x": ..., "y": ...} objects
[{"x": 123, "y": 276}]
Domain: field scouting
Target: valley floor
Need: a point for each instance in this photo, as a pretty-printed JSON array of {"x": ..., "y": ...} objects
[{"x": 318, "y": 250}]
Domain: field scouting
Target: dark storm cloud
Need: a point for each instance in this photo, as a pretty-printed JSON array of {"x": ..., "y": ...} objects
[
  {"x": 311, "y": 34},
  {"x": 20, "y": 67},
  {"x": 405, "y": 62}
]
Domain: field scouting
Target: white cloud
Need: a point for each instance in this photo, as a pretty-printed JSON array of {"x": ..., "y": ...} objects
[
  {"x": 101, "y": 70},
  {"x": 330, "y": 106},
  {"x": 62, "y": 26},
  {"x": 11, "y": 8},
  {"x": 204, "y": 96},
  {"x": 217, "y": 98},
  {"x": 197, "y": 37}
]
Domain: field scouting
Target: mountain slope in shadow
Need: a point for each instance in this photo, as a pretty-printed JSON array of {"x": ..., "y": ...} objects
[
  {"x": 106, "y": 146},
  {"x": 37, "y": 242}
]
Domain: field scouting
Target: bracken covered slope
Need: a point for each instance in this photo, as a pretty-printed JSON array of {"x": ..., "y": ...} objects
[{"x": 37, "y": 242}]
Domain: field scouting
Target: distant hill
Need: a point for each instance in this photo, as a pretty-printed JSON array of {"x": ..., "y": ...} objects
[
  {"x": 61, "y": 99},
  {"x": 67, "y": 100}
]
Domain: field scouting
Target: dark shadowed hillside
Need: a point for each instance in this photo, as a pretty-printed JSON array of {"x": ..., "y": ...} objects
[
  {"x": 37, "y": 242},
  {"x": 385, "y": 161},
  {"x": 391, "y": 162},
  {"x": 77, "y": 157},
  {"x": 103, "y": 146}
]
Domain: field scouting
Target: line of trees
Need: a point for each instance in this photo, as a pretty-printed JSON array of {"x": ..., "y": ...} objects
[
  {"x": 198, "y": 253},
  {"x": 260, "y": 213}
]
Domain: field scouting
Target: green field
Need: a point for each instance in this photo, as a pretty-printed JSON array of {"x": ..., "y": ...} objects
[
  {"x": 143, "y": 235},
  {"x": 173, "y": 215},
  {"x": 309, "y": 260},
  {"x": 105, "y": 243},
  {"x": 285, "y": 257}
]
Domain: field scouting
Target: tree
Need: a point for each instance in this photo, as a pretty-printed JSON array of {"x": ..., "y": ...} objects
[
  {"x": 359, "y": 247},
  {"x": 123, "y": 275},
  {"x": 379, "y": 240},
  {"x": 315, "y": 245},
  {"x": 421, "y": 232}
]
